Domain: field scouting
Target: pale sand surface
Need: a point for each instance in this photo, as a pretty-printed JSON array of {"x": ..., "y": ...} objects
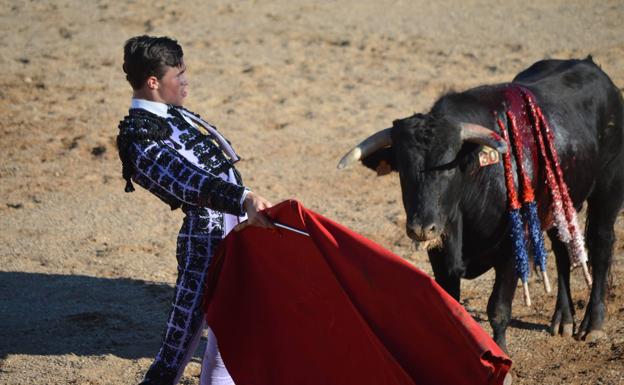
[{"x": 86, "y": 271}]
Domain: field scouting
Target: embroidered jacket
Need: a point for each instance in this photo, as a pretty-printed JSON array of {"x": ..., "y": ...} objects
[{"x": 151, "y": 149}]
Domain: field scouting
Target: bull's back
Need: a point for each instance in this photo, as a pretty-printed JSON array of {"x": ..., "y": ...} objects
[
  {"x": 577, "y": 89},
  {"x": 579, "y": 85},
  {"x": 573, "y": 72}
]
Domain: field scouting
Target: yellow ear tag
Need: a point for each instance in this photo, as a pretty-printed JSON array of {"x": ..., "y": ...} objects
[{"x": 488, "y": 156}]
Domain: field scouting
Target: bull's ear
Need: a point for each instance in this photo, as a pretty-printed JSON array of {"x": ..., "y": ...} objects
[{"x": 381, "y": 161}]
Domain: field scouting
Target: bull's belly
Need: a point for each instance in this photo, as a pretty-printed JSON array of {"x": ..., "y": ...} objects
[{"x": 474, "y": 269}]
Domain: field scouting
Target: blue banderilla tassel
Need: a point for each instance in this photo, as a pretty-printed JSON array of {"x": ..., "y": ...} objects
[
  {"x": 518, "y": 242},
  {"x": 535, "y": 231},
  {"x": 537, "y": 239}
]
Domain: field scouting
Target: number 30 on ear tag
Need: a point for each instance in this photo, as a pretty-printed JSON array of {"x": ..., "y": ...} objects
[{"x": 488, "y": 156}]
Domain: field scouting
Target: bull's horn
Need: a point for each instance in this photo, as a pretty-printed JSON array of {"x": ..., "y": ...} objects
[
  {"x": 369, "y": 145},
  {"x": 478, "y": 134}
]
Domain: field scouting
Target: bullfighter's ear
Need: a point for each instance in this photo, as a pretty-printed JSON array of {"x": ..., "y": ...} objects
[{"x": 381, "y": 161}]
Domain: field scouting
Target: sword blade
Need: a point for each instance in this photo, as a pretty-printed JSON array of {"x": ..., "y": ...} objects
[{"x": 294, "y": 230}]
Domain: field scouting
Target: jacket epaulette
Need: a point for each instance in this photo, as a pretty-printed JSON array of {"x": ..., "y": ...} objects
[
  {"x": 138, "y": 125},
  {"x": 144, "y": 125}
]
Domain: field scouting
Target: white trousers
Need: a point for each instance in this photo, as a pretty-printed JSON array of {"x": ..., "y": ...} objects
[{"x": 213, "y": 370}]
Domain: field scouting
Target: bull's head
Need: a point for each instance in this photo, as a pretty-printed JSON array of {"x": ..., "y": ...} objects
[{"x": 428, "y": 152}]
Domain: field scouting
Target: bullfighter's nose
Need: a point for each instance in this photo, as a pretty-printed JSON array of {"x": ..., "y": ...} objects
[{"x": 422, "y": 233}]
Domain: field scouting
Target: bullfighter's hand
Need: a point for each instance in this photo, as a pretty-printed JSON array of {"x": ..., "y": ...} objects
[{"x": 253, "y": 204}]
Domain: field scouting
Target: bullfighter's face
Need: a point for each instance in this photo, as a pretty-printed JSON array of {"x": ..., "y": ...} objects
[
  {"x": 426, "y": 155},
  {"x": 172, "y": 87}
]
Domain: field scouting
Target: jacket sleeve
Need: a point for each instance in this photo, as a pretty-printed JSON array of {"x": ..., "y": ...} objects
[{"x": 167, "y": 174}]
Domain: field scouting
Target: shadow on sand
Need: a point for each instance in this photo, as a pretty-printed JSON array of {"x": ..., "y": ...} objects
[
  {"x": 481, "y": 316},
  {"x": 50, "y": 314}
]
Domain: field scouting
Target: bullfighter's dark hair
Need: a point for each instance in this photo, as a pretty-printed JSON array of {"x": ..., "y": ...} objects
[{"x": 146, "y": 56}]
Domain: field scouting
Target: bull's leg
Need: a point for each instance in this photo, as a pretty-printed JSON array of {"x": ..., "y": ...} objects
[
  {"x": 448, "y": 279},
  {"x": 499, "y": 304},
  {"x": 446, "y": 260},
  {"x": 603, "y": 207},
  {"x": 562, "y": 321}
]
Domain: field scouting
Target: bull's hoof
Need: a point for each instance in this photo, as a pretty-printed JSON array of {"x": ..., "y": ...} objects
[
  {"x": 566, "y": 330},
  {"x": 508, "y": 379},
  {"x": 592, "y": 336}
]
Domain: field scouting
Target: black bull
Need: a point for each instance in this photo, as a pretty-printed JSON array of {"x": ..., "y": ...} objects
[{"x": 450, "y": 199}]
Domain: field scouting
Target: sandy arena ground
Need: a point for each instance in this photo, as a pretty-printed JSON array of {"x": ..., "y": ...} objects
[{"x": 85, "y": 286}]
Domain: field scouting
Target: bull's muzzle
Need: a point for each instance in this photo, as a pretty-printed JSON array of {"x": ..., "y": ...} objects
[{"x": 420, "y": 233}]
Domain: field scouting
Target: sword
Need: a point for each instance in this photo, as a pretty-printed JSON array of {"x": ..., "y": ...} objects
[{"x": 294, "y": 230}]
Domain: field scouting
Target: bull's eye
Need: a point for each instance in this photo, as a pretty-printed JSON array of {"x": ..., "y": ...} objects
[
  {"x": 444, "y": 166},
  {"x": 447, "y": 166}
]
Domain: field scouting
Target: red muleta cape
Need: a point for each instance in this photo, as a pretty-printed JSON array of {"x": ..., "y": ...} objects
[{"x": 336, "y": 308}]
